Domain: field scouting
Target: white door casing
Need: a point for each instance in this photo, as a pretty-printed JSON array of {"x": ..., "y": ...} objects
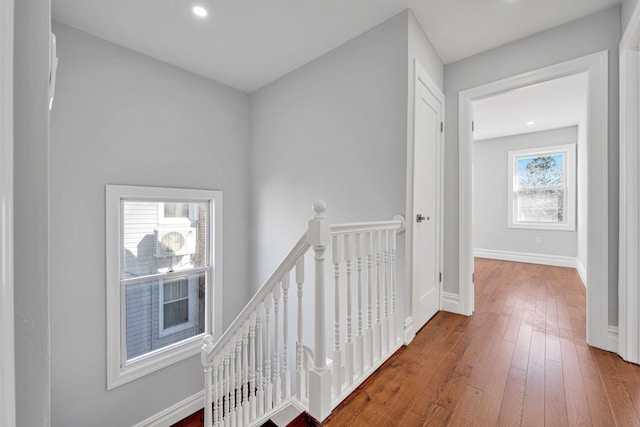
[
  {"x": 596, "y": 67},
  {"x": 629, "y": 254},
  {"x": 427, "y": 196},
  {"x": 7, "y": 346}
]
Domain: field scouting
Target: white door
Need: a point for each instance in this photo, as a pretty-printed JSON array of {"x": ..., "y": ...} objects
[{"x": 428, "y": 134}]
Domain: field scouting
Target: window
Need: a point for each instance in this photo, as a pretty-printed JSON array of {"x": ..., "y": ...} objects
[
  {"x": 177, "y": 213},
  {"x": 542, "y": 189},
  {"x": 175, "y": 303},
  {"x": 163, "y": 276}
]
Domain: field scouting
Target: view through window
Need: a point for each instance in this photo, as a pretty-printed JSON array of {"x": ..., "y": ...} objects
[{"x": 542, "y": 188}]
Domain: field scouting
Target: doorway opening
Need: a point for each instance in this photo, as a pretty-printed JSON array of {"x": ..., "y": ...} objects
[
  {"x": 530, "y": 174},
  {"x": 595, "y": 68}
]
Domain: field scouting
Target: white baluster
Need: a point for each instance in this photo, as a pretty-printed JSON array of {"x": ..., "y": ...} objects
[
  {"x": 260, "y": 377},
  {"x": 277, "y": 385},
  {"x": 214, "y": 408},
  {"x": 337, "y": 355},
  {"x": 301, "y": 383},
  {"x": 252, "y": 367},
  {"x": 318, "y": 234},
  {"x": 394, "y": 338},
  {"x": 359, "y": 336},
  {"x": 369, "y": 337},
  {"x": 227, "y": 388},
  {"x": 348, "y": 350},
  {"x": 268, "y": 390},
  {"x": 285, "y": 350},
  {"x": 232, "y": 384},
  {"x": 219, "y": 411},
  {"x": 385, "y": 290},
  {"x": 378, "y": 327},
  {"x": 245, "y": 374},
  {"x": 238, "y": 387}
]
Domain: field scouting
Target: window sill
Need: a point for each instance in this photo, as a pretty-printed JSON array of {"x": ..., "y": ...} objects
[{"x": 542, "y": 226}]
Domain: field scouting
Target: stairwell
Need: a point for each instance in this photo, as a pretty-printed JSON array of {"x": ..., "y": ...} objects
[{"x": 272, "y": 365}]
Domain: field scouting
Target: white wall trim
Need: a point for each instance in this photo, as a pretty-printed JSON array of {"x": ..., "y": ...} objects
[
  {"x": 7, "y": 345},
  {"x": 582, "y": 271},
  {"x": 175, "y": 413},
  {"x": 528, "y": 257},
  {"x": 409, "y": 332},
  {"x": 629, "y": 253},
  {"x": 451, "y": 302},
  {"x": 596, "y": 67},
  {"x": 613, "y": 336}
]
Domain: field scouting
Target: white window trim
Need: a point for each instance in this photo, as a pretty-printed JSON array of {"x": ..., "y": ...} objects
[
  {"x": 7, "y": 341},
  {"x": 569, "y": 152},
  {"x": 119, "y": 369}
]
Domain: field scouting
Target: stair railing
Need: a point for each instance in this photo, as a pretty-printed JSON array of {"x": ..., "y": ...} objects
[{"x": 249, "y": 371}]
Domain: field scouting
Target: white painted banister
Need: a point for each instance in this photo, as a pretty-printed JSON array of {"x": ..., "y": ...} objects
[{"x": 247, "y": 371}]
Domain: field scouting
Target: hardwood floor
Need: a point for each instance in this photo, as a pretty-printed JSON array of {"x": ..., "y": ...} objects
[{"x": 521, "y": 359}]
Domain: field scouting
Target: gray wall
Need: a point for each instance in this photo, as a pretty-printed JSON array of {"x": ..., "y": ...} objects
[
  {"x": 335, "y": 129},
  {"x": 491, "y": 191},
  {"x": 591, "y": 34},
  {"x": 31, "y": 205},
  {"x": 420, "y": 48},
  {"x": 123, "y": 118}
]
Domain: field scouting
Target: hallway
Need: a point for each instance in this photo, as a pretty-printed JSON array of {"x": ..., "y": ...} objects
[{"x": 521, "y": 359}]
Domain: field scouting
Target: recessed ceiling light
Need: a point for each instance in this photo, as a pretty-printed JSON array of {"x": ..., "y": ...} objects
[
  {"x": 200, "y": 11},
  {"x": 531, "y": 123}
]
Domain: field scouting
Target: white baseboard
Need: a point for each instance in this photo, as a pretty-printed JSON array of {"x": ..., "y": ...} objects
[
  {"x": 530, "y": 258},
  {"x": 582, "y": 272},
  {"x": 409, "y": 333},
  {"x": 451, "y": 302},
  {"x": 175, "y": 413},
  {"x": 613, "y": 338}
]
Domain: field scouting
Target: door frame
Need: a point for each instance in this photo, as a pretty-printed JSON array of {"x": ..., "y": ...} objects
[
  {"x": 629, "y": 274},
  {"x": 596, "y": 67},
  {"x": 420, "y": 76},
  {"x": 7, "y": 345}
]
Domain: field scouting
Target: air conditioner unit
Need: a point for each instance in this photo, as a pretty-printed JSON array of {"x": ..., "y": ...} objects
[{"x": 175, "y": 241}]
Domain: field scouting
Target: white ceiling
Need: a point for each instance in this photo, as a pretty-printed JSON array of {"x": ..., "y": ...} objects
[
  {"x": 549, "y": 105},
  {"x": 249, "y": 43}
]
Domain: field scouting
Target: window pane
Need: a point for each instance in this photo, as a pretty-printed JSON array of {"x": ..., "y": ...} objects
[
  {"x": 159, "y": 317},
  {"x": 176, "y": 210},
  {"x": 540, "y": 205},
  {"x": 176, "y": 313},
  {"x": 175, "y": 289},
  {"x": 150, "y": 247},
  {"x": 541, "y": 171}
]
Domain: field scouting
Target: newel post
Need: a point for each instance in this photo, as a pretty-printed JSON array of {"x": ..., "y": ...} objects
[{"x": 319, "y": 376}]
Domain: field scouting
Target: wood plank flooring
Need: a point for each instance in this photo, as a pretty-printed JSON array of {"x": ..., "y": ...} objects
[{"x": 521, "y": 359}]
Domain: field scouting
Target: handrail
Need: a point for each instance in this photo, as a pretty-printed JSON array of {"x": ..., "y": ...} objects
[
  {"x": 397, "y": 223},
  {"x": 286, "y": 265},
  {"x": 289, "y": 262}
]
